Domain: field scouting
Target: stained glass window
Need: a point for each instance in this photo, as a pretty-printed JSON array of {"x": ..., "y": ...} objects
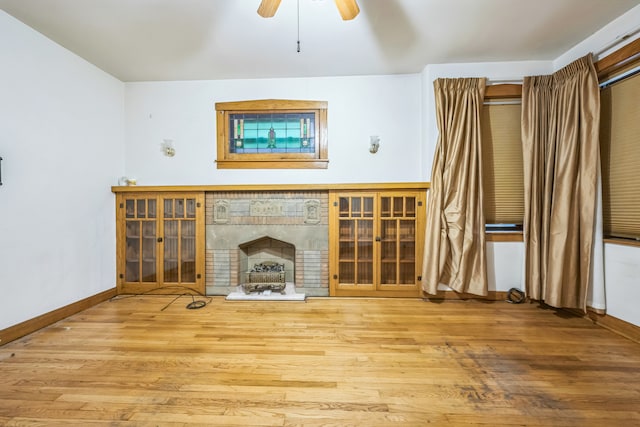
[
  {"x": 264, "y": 133},
  {"x": 272, "y": 133}
]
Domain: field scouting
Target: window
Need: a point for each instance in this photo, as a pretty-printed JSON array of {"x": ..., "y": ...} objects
[
  {"x": 272, "y": 134},
  {"x": 502, "y": 165},
  {"x": 620, "y": 155}
]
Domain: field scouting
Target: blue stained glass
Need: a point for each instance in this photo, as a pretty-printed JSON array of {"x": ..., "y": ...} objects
[{"x": 272, "y": 133}]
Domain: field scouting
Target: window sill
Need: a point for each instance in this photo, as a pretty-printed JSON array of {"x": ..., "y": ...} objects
[
  {"x": 273, "y": 164},
  {"x": 622, "y": 242},
  {"x": 504, "y": 236}
]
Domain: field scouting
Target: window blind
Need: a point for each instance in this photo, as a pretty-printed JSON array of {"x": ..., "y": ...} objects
[
  {"x": 502, "y": 165},
  {"x": 620, "y": 157}
]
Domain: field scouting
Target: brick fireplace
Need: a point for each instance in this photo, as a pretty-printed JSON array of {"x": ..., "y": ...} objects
[{"x": 244, "y": 228}]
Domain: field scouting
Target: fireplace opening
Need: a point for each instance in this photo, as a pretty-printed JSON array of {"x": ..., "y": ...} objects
[{"x": 255, "y": 254}]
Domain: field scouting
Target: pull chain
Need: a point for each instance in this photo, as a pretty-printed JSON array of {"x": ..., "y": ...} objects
[{"x": 298, "y": 50}]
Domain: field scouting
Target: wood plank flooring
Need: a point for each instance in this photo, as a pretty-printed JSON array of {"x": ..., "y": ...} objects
[{"x": 323, "y": 362}]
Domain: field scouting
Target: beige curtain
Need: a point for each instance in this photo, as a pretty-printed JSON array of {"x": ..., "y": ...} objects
[
  {"x": 455, "y": 242},
  {"x": 560, "y": 122}
]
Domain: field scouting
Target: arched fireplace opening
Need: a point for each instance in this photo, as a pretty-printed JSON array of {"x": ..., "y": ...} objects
[{"x": 266, "y": 250}]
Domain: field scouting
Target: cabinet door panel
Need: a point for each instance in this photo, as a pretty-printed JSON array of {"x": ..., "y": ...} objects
[
  {"x": 188, "y": 250},
  {"x": 355, "y": 241},
  {"x": 388, "y": 273},
  {"x": 140, "y": 240},
  {"x": 171, "y": 248},
  {"x": 132, "y": 251},
  {"x": 149, "y": 240}
]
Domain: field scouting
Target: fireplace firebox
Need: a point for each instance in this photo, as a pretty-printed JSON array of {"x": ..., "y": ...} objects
[{"x": 265, "y": 276}]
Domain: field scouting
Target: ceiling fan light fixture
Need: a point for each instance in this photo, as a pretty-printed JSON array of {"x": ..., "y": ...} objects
[
  {"x": 268, "y": 8},
  {"x": 348, "y": 9}
]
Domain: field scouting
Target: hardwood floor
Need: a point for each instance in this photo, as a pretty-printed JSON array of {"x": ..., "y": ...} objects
[{"x": 324, "y": 362}]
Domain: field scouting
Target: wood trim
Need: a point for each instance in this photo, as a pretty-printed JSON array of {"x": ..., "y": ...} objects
[
  {"x": 515, "y": 236},
  {"x": 164, "y": 289},
  {"x": 271, "y": 104},
  {"x": 622, "y": 242},
  {"x": 620, "y": 327},
  {"x": 201, "y": 244},
  {"x": 334, "y": 231},
  {"x": 222, "y": 129},
  {"x": 342, "y": 292},
  {"x": 29, "y": 326},
  {"x": 618, "y": 59},
  {"x": 273, "y": 164},
  {"x": 120, "y": 237},
  {"x": 503, "y": 91},
  {"x": 455, "y": 296},
  {"x": 323, "y": 134},
  {"x": 274, "y": 187}
]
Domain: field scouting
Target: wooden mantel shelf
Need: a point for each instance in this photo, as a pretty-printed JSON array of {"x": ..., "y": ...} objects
[{"x": 274, "y": 187}]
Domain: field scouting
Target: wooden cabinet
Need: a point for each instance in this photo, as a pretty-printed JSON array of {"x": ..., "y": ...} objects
[
  {"x": 376, "y": 242},
  {"x": 160, "y": 242}
]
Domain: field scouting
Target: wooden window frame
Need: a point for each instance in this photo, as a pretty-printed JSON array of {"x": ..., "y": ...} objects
[
  {"x": 228, "y": 160},
  {"x": 606, "y": 68},
  {"x": 618, "y": 132}
]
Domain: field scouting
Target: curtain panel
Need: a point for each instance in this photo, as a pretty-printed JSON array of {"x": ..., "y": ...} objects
[
  {"x": 455, "y": 234},
  {"x": 560, "y": 129}
]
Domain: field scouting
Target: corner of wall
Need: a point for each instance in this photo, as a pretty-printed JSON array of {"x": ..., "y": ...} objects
[{"x": 619, "y": 32}]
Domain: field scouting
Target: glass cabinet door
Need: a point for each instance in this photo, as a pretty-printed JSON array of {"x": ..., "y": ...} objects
[
  {"x": 179, "y": 256},
  {"x": 141, "y": 240},
  {"x": 355, "y": 247},
  {"x": 397, "y": 240}
]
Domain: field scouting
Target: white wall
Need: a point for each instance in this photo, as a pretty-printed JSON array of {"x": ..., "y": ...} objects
[
  {"x": 61, "y": 133},
  {"x": 622, "y": 280},
  {"x": 387, "y": 106},
  {"x": 505, "y": 261},
  {"x": 606, "y": 40}
]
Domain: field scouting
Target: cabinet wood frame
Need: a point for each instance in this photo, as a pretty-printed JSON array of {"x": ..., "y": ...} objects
[
  {"x": 160, "y": 286},
  {"x": 376, "y": 289}
]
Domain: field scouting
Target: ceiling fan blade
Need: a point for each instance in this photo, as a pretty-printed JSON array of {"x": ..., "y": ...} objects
[
  {"x": 348, "y": 9},
  {"x": 268, "y": 8}
]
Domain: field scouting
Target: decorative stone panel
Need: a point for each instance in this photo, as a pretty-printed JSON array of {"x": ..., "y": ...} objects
[{"x": 298, "y": 218}]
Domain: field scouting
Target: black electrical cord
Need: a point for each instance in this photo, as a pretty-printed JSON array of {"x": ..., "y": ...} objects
[
  {"x": 193, "y": 305},
  {"x": 515, "y": 296},
  {"x": 172, "y": 301},
  {"x": 196, "y": 304}
]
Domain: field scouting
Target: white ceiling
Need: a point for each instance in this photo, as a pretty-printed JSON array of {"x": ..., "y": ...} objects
[{"x": 143, "y": 40}]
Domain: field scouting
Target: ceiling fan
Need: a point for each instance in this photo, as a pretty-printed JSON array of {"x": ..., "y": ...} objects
[{"x": 348, "y": 8}]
